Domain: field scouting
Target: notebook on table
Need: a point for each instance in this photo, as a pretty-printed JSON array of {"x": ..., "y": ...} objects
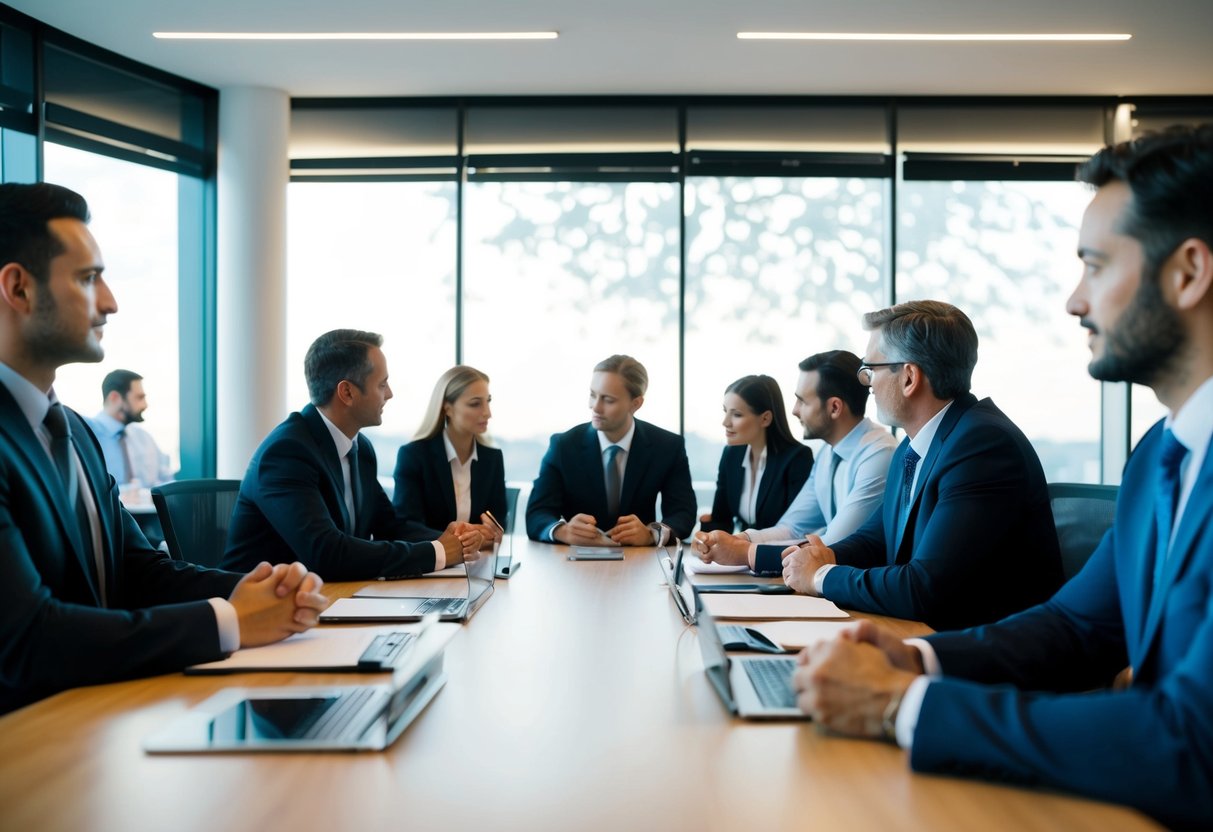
[{"x": 322, "y": 650}]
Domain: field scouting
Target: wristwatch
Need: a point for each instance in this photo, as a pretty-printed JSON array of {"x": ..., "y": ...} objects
[{"x": 888, "y": 723}]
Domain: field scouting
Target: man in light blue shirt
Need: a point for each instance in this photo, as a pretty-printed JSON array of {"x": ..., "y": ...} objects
[{"x": 131, "y": 454}]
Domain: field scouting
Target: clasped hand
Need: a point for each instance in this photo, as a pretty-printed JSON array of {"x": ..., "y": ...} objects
[{"x": 272, "y": 602}]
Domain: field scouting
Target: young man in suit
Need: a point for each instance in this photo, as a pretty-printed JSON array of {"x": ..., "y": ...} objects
[
  {"x": 83, "y": 598},
  {"x": 964, "y": 489},
  {"x": 847, "y": 483},
  {"x": 1027, "y": 699},
  {"x": 598, "y": 483},
  {"x": 311, "y": 489}
]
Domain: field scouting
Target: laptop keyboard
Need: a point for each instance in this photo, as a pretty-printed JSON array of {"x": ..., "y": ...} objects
[
  {"x": 772, "y": 680},
  {"x": 332, "y": 722},
  {"x": 442, "y": 606}
]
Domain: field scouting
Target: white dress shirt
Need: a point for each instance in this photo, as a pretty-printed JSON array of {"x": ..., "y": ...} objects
[
  {"x": 747, "y": 508},
  {"x": 461, "y": 476}
]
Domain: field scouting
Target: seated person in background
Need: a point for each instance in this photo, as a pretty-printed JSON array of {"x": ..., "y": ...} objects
[
  {"x": 83, "y": 598},
  {"x": 131, "y": 454},
  {"x": 598, "y": 482},
  {"x": 1027, "y": 699},
  {"x": 762, "y": 466},
  {"x": 846, "y": 485},
  {"x": 965, "y": 490},
  {"x": 448, "y": 475},
  {"x": 311, "y": 490}
]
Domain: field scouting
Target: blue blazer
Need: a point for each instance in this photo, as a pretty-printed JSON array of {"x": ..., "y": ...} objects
[
  {"x": 782, "y": 480},
  {"x": 54, "y": 633},
  {"x": 979, "y": 543},
  {"x": 425, "y": 490},
  {"x": 1151, "y": 745},
  {"x": 571, "y": 482},
  {"x": 291, "y": 506}
]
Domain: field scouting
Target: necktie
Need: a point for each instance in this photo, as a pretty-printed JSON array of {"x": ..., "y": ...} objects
[
  {"x": 613, "y": 485},
  {"x": 907, "y": 484},
  {"x": 1170, "y": 459},
  {"x": 355, "y": 487},
  {"x": 126, "y": 456},
  {"x": 835, "y": 459},
  {"x": 64, "y": 456}
]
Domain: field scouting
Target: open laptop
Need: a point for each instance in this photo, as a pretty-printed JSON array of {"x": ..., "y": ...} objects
[
  {"x": 380, "y": 601},
  {"x": 753, "y": 687},
  {"x": 677, "y": 581},
  {"x": 332, "y": 718}
]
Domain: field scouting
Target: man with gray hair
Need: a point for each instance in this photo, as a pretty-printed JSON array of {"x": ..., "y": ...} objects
[
  {"x": 311, "y": 489},
  {"x": 965, "y": 489}
]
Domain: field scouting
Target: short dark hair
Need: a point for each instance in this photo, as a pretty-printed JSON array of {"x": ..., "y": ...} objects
[
  {"x": 635, "y": 376},
  {"x": 337, "y": 356},
  {"x": 762, "y": 393},
  {"x": 1170, "y": 174},
  {"x": 118, "y": 381},
  {"x": 936, "y": 336},
  {"x": 25, "y": 211},
  {"x": 837, "y": 377}
]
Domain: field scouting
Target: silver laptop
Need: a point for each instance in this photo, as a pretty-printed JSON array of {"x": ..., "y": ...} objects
[
  {"x": 677, "y": 581},
  {"x": 751, "y": 687},
  {"x": 377, "y": 602},
  {"x": 333, "y": 718}
]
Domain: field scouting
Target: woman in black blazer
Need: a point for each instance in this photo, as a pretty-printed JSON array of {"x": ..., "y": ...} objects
[
  {"x": 763, "y": 466},
  {"x": 448, "y": 474}
]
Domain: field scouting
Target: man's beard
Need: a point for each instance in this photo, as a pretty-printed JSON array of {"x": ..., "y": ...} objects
[
  {"x": 48, "y": 340},
  {"x": 1143, "y": 343},
  {"x": 129, "y": 416}
]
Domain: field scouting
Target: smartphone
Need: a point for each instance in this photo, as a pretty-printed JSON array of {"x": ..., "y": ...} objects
[{"x": 594, "y": 553}]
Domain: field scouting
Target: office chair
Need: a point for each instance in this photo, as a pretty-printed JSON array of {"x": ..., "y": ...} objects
[
  {"x": 1082, "y": 513},
  {"x": 195, "y": 515}
]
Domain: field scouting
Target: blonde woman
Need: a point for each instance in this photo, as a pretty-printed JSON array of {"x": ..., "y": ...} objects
[{"x": 448, "y": 474}]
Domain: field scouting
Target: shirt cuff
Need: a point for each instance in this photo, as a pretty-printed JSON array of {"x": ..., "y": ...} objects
[
  {"x": 930, "y": 659},
  {"x": 439, "y": 556},
  {"x": 228, "y": 623},
  {"x": 907, "y": 714},
  {"x": 752, "y": 556},
  {"x": 549, "y": 534},
  {"x": 819, "y": 579}
]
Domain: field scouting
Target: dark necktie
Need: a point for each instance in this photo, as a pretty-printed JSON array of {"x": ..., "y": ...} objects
[
  {"x": 835, "y": 459},
  {"x": 126, "y": 455},
  {"x": 355, "y": 486},
  {"x": 64, "y": 456},
  {"x": 907, "y": 485},
  {"x": 1170, "y": 459},
  {"x": 613, "y": 485}
]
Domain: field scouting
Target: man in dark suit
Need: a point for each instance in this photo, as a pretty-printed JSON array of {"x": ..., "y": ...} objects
[
  {"x": 598, "y": 483},
  {"x": 1027, "y": 699},
  {"x": 311, "y": 490},
  {"x": 83, "y": 598},
  {"x": 964, "y": 490}
]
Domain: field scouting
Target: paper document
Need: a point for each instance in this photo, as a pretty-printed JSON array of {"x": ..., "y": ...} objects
[
  {"x": 416, "y": 588},
  {"x": 770, "y": 607},
  {"x": 796, "y": 635},
  {"x": 335, "y": 649},
  {"x": 456, "y": 571},
  {"x": 694, "y": 565}
]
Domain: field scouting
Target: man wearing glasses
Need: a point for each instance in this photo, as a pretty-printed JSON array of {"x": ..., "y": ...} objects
[{"x": 965, "y": 534}]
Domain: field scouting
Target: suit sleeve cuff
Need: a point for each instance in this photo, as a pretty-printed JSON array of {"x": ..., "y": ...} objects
[
  {"x": 549, "y": 534},
  {"x": 930, "y": 659},
  {"x": 907, "y": 714},
  {"x": 439, "y": 556},
  {"x": 766, "y": 559},
  {"x": 228, "y": 623},
  {"x": 819, "y": 579}
]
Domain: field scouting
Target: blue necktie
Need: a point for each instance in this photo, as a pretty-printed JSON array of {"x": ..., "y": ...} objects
[
  {"x": 907, "y": 485},
  {"x": 613, "y": 486},
  {"x": 1170, "y": 459}
]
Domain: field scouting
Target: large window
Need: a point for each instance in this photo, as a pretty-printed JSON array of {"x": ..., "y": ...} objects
[
  {"x": 560, "y": 275},
  {"x": 376, "y": 256},
  {"x": 134, "y": 210}
]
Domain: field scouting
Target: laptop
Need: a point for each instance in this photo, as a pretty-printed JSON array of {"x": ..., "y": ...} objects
[
  {"x": 753, "y": 687},
  {"x": 332, "y": 718},
  {"x": 672, "y": 567},
  {"x": 381, "y": 601}
]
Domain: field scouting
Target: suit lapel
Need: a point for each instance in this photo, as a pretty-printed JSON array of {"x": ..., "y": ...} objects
[
  {"x": 328, "y": 455},
  {"x": 96, "y": 479},
  {"x": 769, "y": 476},
  {"x": 637, "y": 465},
  {"x": 440, "y": 470},
  {"x": 591, "y": 464}
]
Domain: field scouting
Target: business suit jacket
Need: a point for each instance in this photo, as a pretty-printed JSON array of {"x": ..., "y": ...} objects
[
  {"x": 571, "y": 481},
  {"x": 425, "y": 490},
  {"x": 54, "y": 633},
  {"x": 1150, "y": 746},
  {"x": 979, "y": 543},
  {"x": 782, "y": 480},
  {"x": 291, "y": 506}
]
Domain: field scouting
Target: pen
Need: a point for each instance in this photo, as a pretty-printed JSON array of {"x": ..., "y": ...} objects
[{"x": 496, "y": 523}]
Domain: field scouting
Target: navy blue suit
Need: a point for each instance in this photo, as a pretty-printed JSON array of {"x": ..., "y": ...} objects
[
  {"x": 979, "y": 543},
  {"x": 292, "y": 507},
  {"x": 54, "y": 633},
  {"x": 1150, "y": 746},
  {"x": 571, "y": 481},
  {"x": 425, "y": 490},
  {"x": 782, "y": 480}
]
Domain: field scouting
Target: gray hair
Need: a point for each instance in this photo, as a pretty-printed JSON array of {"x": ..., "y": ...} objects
[{"x": 936, "y": 336}]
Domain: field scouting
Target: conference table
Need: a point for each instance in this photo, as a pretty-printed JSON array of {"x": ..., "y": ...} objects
[{"x": 576, "y": 699}]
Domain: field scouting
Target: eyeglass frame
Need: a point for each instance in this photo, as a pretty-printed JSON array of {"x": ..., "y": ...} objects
[{"x": 868, "y": 368}]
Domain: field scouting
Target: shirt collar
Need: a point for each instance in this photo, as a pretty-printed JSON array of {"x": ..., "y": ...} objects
[
  {"x": 625, "y": 441},
  {"x": 112, "y": 426},
  {"x": 846, "y": 447},
  {"x": 921, "y": 443},
  {"x": 452, "y": 455},
  {"x": 34, "y": 403},
  {"x": 762, "y": 459},
  {"x": 343, "y": 442},
  {"x": 1192, "y": 424}
]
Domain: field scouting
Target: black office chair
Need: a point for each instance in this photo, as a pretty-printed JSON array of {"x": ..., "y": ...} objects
[
  {"x": 195, "y": 515},
  {"x": 1082, "y": 513}
]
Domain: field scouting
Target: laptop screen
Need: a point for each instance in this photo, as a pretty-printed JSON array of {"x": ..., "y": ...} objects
[
  {"x": 481, "y": 573},
  {"x": 715, "y": 662}
]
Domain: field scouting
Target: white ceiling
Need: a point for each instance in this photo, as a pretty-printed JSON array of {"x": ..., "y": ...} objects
[{"x": 662, "y": 46}]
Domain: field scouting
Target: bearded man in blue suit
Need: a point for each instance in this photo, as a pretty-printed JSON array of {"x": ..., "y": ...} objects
[{"x": 1026, "y": 699}]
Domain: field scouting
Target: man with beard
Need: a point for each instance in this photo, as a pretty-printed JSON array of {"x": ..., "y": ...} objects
[
  {"x": 847, "y": 483},
  {"x": 131, "y": 454},
  {"x": 83, "y": 598},
  {"x": 1026, "y": 699}
]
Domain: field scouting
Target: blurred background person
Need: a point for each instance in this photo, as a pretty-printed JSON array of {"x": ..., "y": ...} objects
[{"x": 131, "y": 454}]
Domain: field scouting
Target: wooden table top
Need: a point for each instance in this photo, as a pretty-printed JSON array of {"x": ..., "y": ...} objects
[{"x": 576, "y": 699}]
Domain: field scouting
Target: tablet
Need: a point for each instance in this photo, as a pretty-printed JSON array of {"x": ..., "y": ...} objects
[{"x": 595, "y": 553}]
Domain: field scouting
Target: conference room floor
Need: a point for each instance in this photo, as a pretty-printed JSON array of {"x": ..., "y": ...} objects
[{"x": 576, "y": 699}]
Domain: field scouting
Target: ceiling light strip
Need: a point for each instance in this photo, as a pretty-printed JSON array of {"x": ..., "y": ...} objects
[
  {"x": 900, "y": 36},
  {"x": 355, "y": 35}
]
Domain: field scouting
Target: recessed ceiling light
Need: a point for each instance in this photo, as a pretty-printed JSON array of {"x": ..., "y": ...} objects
[
  {"x": 932, "y": 37},
  {"x": 355, "y": 35}
]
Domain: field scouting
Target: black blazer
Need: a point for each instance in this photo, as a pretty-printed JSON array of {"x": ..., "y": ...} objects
[
  {"x": 571, "y": 482},
  {"x": 425, "y": 490},
  {"x": 54, "y": 633},
  {"x": 291, "y": 506},
  {"x": 979, "y": 543},
  {"x": 782, "y": 480}
]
